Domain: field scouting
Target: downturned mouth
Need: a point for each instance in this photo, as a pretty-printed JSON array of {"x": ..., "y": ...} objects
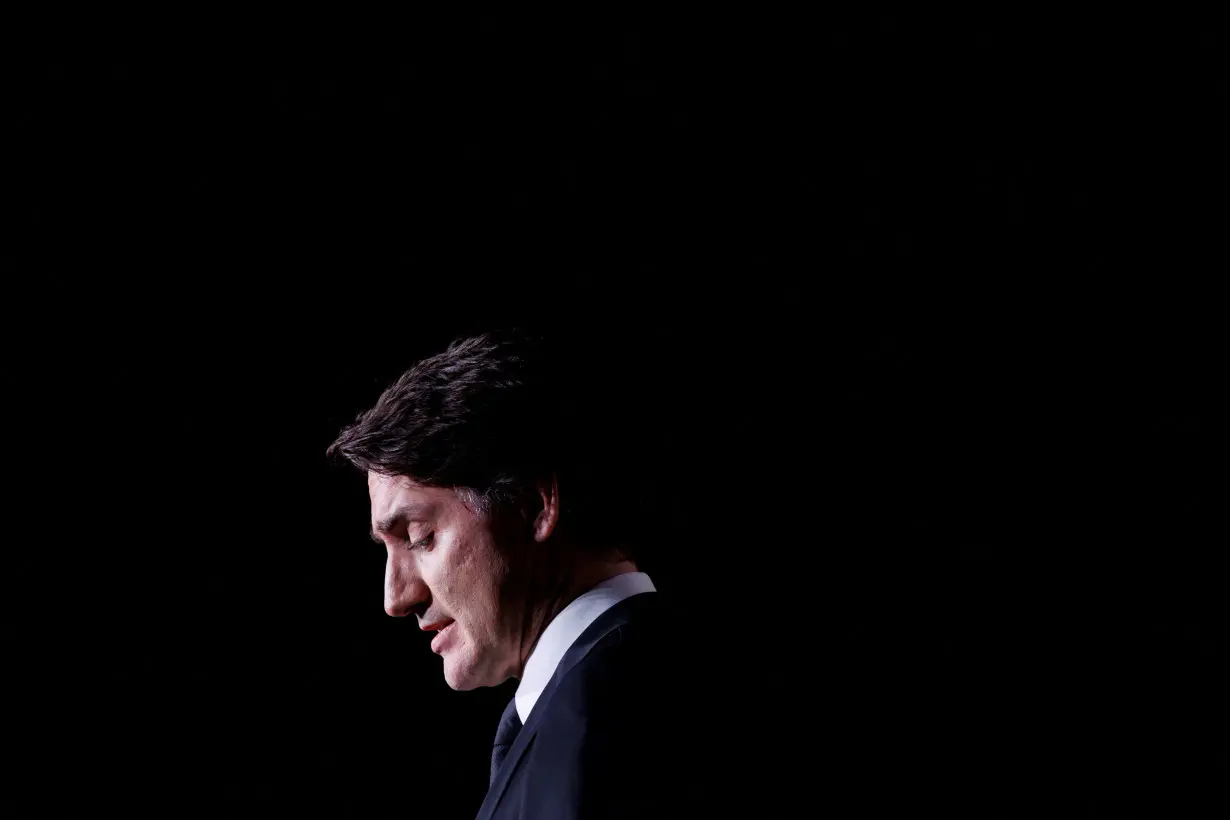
[
  {"x": 437, "y": 626},
  {"x": 437, "y": 643}
]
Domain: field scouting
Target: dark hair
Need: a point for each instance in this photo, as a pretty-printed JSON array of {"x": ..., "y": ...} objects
[{"x": 496, "y": 412}]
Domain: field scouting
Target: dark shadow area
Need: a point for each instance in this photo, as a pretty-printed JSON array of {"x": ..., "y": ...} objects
[{"x": 922, "y": 309}]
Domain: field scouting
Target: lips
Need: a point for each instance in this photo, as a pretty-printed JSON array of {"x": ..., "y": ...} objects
[
  {"x": 443, "y": 634},
  {"x": 435, "y": 626}
]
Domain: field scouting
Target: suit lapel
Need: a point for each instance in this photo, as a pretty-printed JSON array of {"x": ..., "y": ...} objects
[{"x": 615, "y": 617}]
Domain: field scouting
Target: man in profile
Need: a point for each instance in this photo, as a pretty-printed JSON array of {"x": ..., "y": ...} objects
[{"x": 493, "y": 470}]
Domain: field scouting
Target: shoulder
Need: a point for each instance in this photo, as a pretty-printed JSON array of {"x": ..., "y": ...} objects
[
  {"x": 615, "y": 720},
  {"x": 633, "y": 669}
]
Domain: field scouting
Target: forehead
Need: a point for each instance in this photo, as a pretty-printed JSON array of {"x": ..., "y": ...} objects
[{"x": 389, "y": 493}]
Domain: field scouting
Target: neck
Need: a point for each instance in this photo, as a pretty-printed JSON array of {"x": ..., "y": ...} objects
[{"x": 570, "y": 586}]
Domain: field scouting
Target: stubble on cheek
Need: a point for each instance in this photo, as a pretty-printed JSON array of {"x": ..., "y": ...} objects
[{"x": 476, "y": 584}]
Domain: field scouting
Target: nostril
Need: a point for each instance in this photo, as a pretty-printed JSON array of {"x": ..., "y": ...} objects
[{"x": 399, "y": 609}]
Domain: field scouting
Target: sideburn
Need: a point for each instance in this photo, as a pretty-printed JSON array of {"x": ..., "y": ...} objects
[{"x": 539, "y": 573}]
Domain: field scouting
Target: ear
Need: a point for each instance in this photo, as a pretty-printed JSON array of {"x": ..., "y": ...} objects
[{"x": 548, "y": 516}]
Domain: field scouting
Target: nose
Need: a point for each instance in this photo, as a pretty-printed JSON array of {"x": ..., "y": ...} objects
[{"x": 404, "y": 590}]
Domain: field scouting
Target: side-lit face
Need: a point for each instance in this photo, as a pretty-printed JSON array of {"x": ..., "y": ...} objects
[{"x": 445, "y": 567}]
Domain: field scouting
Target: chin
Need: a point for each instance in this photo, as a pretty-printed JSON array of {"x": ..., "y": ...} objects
[
  {"x": 459, "y": 684},
  {"x": 460, "y": 676}
]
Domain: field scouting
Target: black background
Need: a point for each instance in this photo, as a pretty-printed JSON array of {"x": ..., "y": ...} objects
[{"x": 926, "y": 304}]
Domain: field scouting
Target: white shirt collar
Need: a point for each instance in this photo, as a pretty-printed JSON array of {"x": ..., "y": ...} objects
[{"x": 566, "y": 627}]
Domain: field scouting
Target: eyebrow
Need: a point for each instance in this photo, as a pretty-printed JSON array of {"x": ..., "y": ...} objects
[{"x": 407, "y": 512}]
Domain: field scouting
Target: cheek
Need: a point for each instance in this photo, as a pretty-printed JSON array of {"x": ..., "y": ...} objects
[{"x": 473, "y": 580}]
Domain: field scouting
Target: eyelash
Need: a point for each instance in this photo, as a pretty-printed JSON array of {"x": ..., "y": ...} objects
[{"x": 422, "y": 542}]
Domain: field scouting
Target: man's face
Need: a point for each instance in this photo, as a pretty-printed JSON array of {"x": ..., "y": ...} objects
[{"x": 444, "y": 566}]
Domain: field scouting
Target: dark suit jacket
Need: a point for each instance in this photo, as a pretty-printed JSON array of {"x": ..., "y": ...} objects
[{"x": 615, "y": 733}]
